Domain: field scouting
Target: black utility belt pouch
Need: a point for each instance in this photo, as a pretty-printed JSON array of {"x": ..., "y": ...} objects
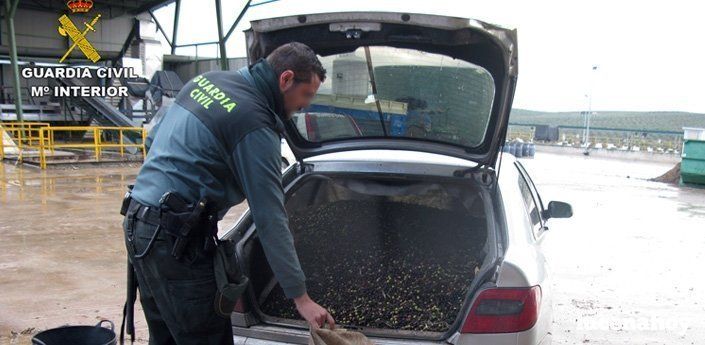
[{"x": 228, "y": 277}]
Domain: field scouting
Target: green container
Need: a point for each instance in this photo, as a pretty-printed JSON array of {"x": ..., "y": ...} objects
[{"x": 693, "y": 162}]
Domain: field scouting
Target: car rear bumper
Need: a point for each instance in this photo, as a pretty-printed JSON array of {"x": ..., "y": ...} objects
[{"x": 274, "y": 335}]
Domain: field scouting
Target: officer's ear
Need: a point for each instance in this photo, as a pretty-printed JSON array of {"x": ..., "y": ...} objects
[{"x": 286, "y": 80}]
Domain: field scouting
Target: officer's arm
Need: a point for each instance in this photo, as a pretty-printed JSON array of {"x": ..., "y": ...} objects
[
  {"x": 257, "y": 158},
  {"x": 156, "y": 122}
]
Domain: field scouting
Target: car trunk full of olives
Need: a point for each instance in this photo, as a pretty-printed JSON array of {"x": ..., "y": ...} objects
[{"x": 383, "y": 254}]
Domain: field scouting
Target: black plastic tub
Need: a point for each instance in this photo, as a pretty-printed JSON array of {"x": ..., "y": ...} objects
[{"x": 78, "y": 335}]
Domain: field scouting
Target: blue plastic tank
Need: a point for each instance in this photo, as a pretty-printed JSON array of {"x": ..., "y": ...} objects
[
  {"x": 525, "y": 149},
  {"x": 518, "y": 150}
]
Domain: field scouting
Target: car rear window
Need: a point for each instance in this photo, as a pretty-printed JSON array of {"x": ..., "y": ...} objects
[{"x": 419, "y": 95}]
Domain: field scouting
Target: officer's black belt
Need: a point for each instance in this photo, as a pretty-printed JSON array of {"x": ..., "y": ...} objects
[{"x": 147, "y": 214}]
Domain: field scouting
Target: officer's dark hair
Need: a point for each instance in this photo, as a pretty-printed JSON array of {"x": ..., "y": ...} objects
[{"x": 299, "y": 58}]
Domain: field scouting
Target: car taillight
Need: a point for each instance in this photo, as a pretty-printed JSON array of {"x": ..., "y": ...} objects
[{"x": 504, "y": 310}]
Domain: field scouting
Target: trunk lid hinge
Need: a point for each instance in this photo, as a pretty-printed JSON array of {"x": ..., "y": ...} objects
[
  {"x": 463, "y": 172},
  {"x": 482, "y": 174},
  {"x": 304, "y": 167}
]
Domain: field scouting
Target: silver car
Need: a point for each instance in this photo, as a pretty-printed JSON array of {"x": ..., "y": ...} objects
[{"x": 414, "y": 229}]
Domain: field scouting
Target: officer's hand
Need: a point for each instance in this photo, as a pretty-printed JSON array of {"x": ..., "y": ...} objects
[{"x": 314, "y": 314}]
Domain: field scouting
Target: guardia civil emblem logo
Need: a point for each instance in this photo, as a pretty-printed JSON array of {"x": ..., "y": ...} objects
[{"x": 78, "y": 37}]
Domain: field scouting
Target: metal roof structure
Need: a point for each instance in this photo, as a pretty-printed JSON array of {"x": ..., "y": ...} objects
[{"x": 112, "y": 9}]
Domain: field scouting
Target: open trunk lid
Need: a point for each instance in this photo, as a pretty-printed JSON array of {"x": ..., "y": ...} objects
[{"x": 414, "y": 82}]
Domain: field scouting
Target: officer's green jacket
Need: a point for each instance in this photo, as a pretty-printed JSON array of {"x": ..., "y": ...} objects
[{"x": 221, "y": 139}]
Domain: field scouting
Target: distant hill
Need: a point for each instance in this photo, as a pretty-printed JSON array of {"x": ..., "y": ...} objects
[{"x": 654, "y": 120}]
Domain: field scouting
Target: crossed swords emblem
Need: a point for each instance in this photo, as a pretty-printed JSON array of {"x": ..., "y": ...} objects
[{"x": 79, "y": 38}]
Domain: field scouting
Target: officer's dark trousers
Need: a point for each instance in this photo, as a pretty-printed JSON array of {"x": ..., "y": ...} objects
[{"x": 177, "y": 296}]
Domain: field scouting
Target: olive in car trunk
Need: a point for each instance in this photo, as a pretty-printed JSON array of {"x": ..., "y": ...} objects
[{"x": 380, "y": 254}]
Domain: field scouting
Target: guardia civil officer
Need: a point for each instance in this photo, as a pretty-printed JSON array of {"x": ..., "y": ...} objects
[{"x": 217, "y": 145}]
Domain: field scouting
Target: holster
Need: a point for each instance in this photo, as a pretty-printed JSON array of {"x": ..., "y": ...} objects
[{"x": 187, "y": 222}]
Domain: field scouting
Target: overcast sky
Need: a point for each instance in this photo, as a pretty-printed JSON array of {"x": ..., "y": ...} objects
[{"x": 651, "y": 54}]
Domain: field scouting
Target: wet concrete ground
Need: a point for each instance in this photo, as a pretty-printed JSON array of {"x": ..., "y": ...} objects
[
  {"x": 627, "y": 268},
  {"x": 62, "y": 257}
]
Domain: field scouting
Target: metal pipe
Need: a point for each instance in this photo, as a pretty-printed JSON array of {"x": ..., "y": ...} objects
[
  {"x": 196, "y": 64},
  {"x": 237, "y": 20},
  {"x": 159, "y": 26},
  {"x": 221, "y": 42},
  {"x": 144, "y": 140},
  {"x": 196, "y": 44},
  {"x": 11, "y": 7},
  {"x": 263, "y": 3},
  {"x": 2, "y": 78},
  {"x": 96, "y": 143},
  {"x": 42, "y": 155},
  {"x": 177, "y": 10}
]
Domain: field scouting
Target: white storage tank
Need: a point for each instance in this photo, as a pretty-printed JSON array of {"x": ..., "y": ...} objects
[{"x": 691, "y": 133}]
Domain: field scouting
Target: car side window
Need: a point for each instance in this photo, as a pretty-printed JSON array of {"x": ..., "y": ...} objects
[
  {"x": 531, "y": 200},
  {"x": 532, "y": 186}
]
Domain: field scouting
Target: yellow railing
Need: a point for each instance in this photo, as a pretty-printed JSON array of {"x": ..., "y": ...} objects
[
  {"x": 26, "y": 136},
  {"x": 38, "y": 138},
  {"x": 97, "y": 146},
  {"x": 2, "y": 143}
]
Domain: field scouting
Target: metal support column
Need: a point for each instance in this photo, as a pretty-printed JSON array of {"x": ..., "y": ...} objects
[
  {"x": 159, "y": 26},
  {"x": 237, "y": 20},
  {"x": 221, "y": 42},
  {"x": 177, "y": 11},
  {"x": 11, "y": 8}
]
